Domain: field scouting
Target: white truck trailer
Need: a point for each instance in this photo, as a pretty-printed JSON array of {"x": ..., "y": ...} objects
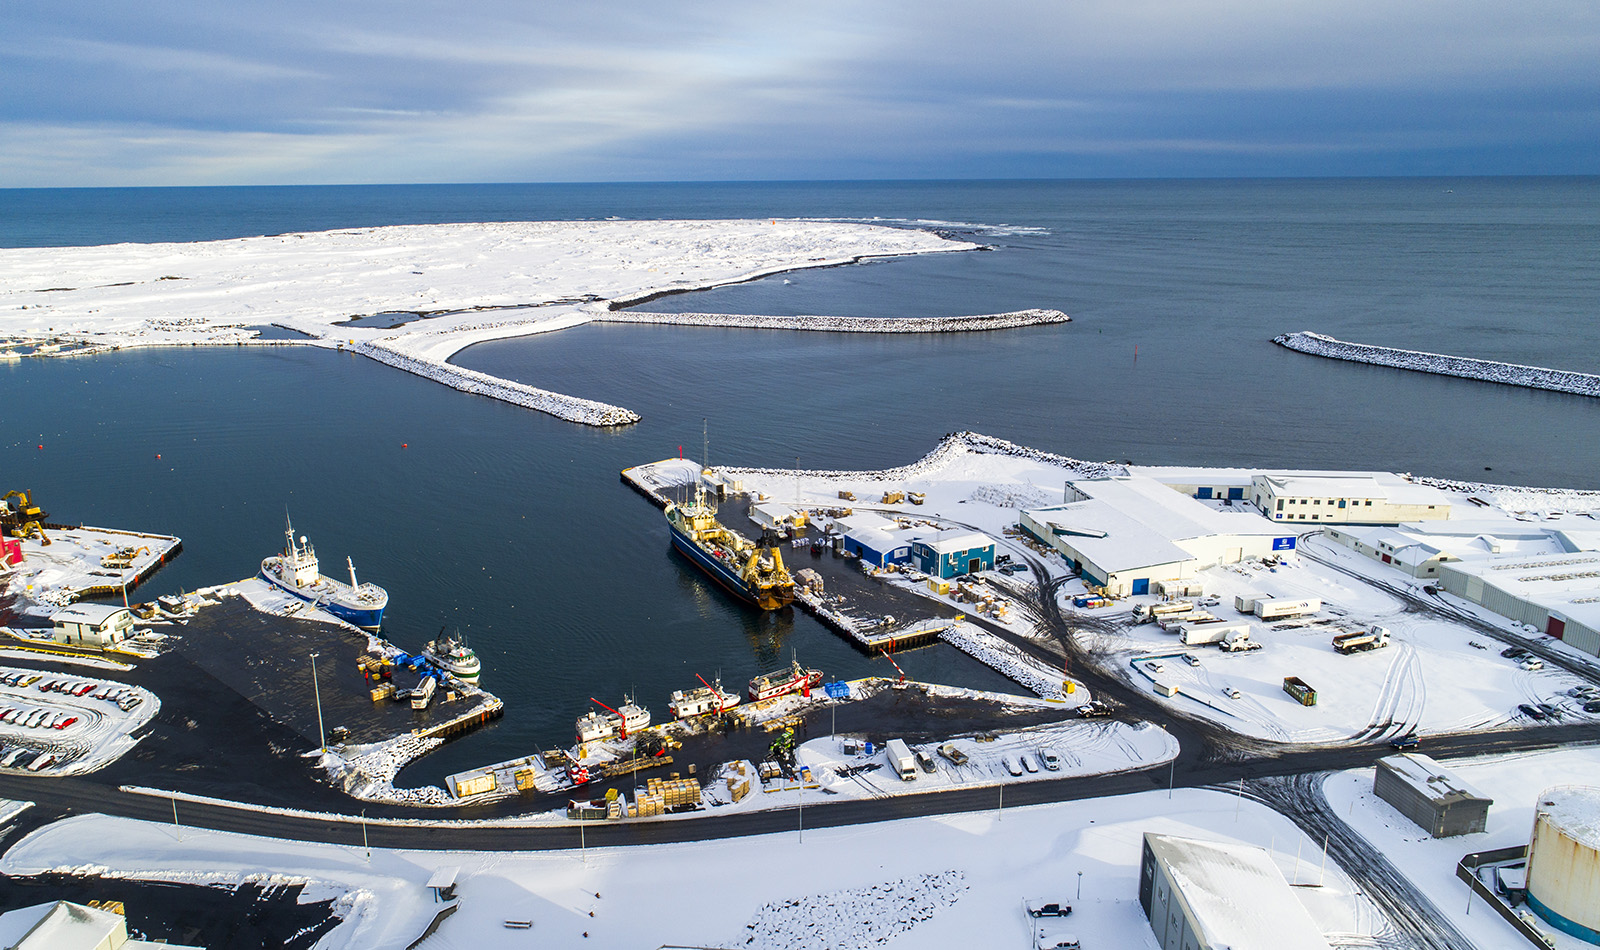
[
  {"x": 1209, "y": 631},
  {"x": 1278, "y": 608},
  {"x": 1167, "y": 608},
  {"x": 901, "y": 759}
]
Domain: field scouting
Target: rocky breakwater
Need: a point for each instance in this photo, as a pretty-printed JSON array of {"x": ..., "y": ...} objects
[
  {"x": 1510, "y": 374},
  {"x": 992, "y": 321},
  {"x": 570, "y": 408}
]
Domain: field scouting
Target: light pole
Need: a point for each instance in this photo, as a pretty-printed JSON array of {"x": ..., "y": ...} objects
[
  {"x": 316, "y": 689},
  {"x": 1080, "y": 885},
  {"x": 366, "y": 847}
]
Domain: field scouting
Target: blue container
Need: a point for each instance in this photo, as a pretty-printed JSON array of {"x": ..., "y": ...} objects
[{"x": 867, "y": 748}]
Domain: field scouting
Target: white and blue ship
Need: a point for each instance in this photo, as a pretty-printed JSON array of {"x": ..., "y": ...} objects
[{"x": 295, "y": 571}]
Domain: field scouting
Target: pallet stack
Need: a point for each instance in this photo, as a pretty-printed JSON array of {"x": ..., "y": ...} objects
[{"x": 659, "y": 795}]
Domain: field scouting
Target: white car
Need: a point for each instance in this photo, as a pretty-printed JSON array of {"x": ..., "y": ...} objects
[
  {"x": 11, "y": 757},
  {"x": 1231, "y": 693},
  {"x": 1050, "y": 760},
  {"x": 1531, "y": 664},
  {"x": 1011, "y": 765},
  {"x": 1156, "y": 666}
]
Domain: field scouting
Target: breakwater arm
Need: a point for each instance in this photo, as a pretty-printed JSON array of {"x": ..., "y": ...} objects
[
  {"x": 990, "y": 321},
  {"x": 570, "y": 408},
  {"x": 1510, "y": 374}
]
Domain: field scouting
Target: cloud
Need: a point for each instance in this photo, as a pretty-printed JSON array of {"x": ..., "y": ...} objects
[{"x": 175, "y": 91}]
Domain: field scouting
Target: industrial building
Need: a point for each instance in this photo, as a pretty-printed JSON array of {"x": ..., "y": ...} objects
[
  {"x": 1423, "y": 791},
  {"x": 1346, "y": 498},
  {"x": 877, "y": 541},
  {"x": 1208, "y": 895},
  {"x": 947, "y": 556},
  {"x": 99, "y": 625},
  {"x": 1419, "y": 548},
  {"x": 64, "y": 925},
  {"x": 1127, "y": 533},
  {"x": 1564, "y": 861},
  {"x": 1558, "y": 594}
]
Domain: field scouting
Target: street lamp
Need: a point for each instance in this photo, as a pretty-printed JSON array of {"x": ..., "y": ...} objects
[
  {"x": 368, "y": 848},
  {"x": 316, "y": 688}
]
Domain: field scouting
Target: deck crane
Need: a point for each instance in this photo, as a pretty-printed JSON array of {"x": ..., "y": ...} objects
[
  {"x": 901, "y": 681},
  {"x": 721, "y": 707},
  {"x": 622, "y": 721}
]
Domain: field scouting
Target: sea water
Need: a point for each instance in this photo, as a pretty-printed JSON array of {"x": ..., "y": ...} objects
[{"x": 516, "y": 528}]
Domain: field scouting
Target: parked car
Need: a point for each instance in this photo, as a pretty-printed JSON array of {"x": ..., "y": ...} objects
[
  {"x": 84, "y": 689},
  {"x": 1514, "y": 653},
  {"x": 1027, "y": 762},
  {"x": 1231, "y": 693},
  {"x": 11, "y": 715},
  {"x": 30, "y": 679},
  {"x": 48, "y": 685},
  {"x": 1045, "y": 940},
  {"x": 1011, "y": 765},
  {"x": 1592, "y": 705},
  {"x": 1549, "y": 710},
  {"x": 43, "y": 761},
  {"x": 1191, "y": 659},
  {"x": 10, "y": 758},
  {"x": 925, "y": 761},
  {"x": 954, "y": 754},
  {"x": 1156, "y": 666},
  {"x": 1050, "y": 761},
  {"x": 1093, "y": 710},
  {"x": 66, "y": 722},
  {"x": 1531, "y": 663},
  {"x": 1532, "y": 712},
  {"x": 1048, "y": 910}
]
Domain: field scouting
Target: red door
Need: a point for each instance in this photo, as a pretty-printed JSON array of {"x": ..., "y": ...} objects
[{"x": 1555, "y": 627}]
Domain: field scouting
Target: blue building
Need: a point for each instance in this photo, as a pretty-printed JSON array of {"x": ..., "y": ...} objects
[
  {"x": 947, "y": 557},
  {"x": 875, "y": 540}
]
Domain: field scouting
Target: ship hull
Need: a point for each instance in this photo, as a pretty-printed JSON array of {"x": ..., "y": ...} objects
[
  {"x": 365, "y": 617},
  {"x": 724, "y": 575}
]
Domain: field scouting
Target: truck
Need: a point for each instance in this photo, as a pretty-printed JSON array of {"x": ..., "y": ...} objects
[
  {"x": 1145, "y": 613},
  {"x": 954, "y": 754},
  {"x": 1275, "y": 608},
  {"x": 1373, "y": 638},
  {"x": 901, "y": 759},
  {"x": 1209, "y": 631},
  {"x": 1239, "y": 642},
  {"x": 1300, "y": 690}
]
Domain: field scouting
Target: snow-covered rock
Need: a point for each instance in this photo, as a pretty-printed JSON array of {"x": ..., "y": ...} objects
[
  {"x": 991, "y": 321},
  {"x": 1511, "y": 374}
]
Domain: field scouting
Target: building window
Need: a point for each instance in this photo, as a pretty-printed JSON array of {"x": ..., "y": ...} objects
[
  {"x": 1280, "y": 504},
  {"x": 1369, "y": 502},
  {"x": 1317, "y": 502}
]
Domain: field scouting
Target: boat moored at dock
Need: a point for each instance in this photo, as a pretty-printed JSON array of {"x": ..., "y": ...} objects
[
  {"x": 751, "y": 571},
  {"x": 782, "y": 682},
  {"x": 449, "y": 652},
  {"x": 708, "y": 698},
  {"x": 615, "y": 723},
  {"x": 296, "y": 572}
]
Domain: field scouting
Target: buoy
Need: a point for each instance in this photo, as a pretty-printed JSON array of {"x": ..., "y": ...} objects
[
  {"x": 405, "y": 445},
  {"x": 41, "y": 448},
  {"x": 158, "y": 455}
]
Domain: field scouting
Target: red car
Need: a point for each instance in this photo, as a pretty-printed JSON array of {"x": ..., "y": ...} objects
[{"x": 66, "y": 722}]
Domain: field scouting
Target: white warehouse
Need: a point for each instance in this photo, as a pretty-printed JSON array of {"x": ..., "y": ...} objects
[
  {"x": 1556, "y": 593},
  {"x": 1210, "y": 895},
  {"x": 1127, "y": 533},
  {"x": 1346, "y": 498}
]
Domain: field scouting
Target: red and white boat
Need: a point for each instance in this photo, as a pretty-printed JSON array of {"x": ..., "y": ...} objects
[
  {"x": 796, "y": 679},
  {"x": 689, "y": 703}
]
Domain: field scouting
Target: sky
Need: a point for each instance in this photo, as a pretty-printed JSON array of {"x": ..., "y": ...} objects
[{"x": 182, "y": 92}]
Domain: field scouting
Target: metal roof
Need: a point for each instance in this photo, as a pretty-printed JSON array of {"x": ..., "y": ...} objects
[
  {"x": 1430, "y": 779},
  {"x": 95, "y": 614},
  {"x": 1237, "y": 897}
]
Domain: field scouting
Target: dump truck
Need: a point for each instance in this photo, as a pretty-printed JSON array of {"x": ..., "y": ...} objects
[
  {"x": 1145, "y": 613},
  {"x": 1209, "y": 631},
  {"x": 1373, "y": 638},
  {"x": 1275, "y": 608},
  {"x": 1300, "y": 690},
  {"x": 901, "y": 759},
  {"x": 1239, "y": 642}
]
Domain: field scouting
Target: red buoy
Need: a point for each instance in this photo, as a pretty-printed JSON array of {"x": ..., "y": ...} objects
[{"x": 405, "y": 445}]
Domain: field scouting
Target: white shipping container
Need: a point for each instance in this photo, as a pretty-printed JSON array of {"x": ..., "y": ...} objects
[{"x": 1279, "y": 609}]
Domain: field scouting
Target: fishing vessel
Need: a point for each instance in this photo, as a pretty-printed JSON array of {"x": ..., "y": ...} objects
[
  {"x": 450, "y": 653},
  {"x": 753, "y": 572},
  {"x": 781, "y": 682},
  {"x": 296, "y": 571},
  {"x": 619, "y": 722},
  {"x": 687, "y": 703}
]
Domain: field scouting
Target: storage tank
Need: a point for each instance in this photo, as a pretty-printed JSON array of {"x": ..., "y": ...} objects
[{"x": 1564, "y": 860}]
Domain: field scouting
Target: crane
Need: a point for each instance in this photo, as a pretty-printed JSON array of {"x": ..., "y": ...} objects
[
  {"x": 902, "y": 673},
  {"x": 622, "y": 721},
  {"x": 715, "y": 691}
]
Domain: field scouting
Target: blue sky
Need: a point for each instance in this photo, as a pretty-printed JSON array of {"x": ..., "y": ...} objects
[{"x": 173, "y": 92}]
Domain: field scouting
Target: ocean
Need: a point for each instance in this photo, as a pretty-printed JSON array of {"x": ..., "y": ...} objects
[{"x": 515, "y": 526}]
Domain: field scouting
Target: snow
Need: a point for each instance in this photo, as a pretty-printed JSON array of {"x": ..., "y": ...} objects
[
  {"x": 56, "y": 574},
  {"x": 991, "y": 321},
  {"x": 1514, "y": 781},
  {"x": 1511, "y": 374},
  {"x": 460, "y": 283},
  {"x": 103, "y": 732},
  {"x": 953, "y": 881}
]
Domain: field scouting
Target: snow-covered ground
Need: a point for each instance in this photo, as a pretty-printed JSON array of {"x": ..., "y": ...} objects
[
  {"x": 448, "y": 285},
  {"x": 102, "y": 730},
  {"x": 1512, "y": 374},
  {"x": 1514, "y": 782},
  {"x": 78, "y": 559},
  {"x": 1431, "y": 678},
  {"x": 954, "y": 881}
]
